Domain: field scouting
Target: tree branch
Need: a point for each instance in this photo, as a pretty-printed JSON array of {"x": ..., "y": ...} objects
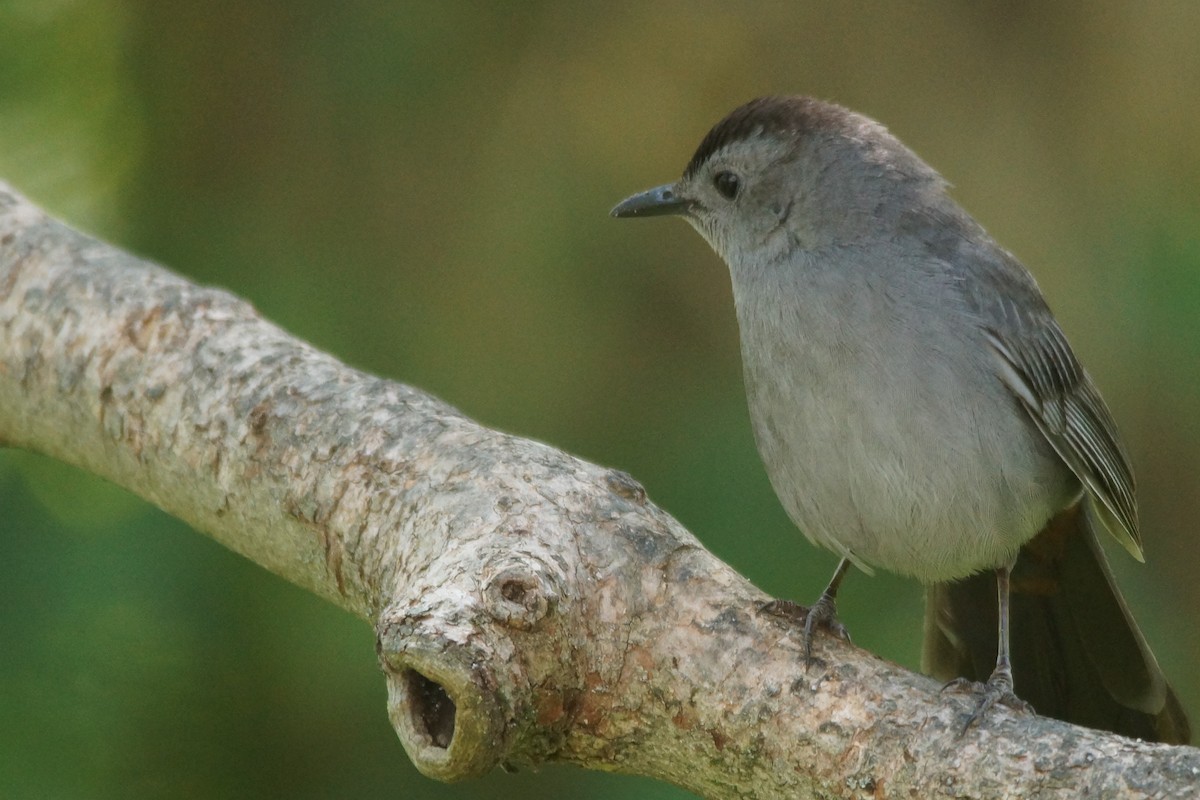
[{"x": 528, "y": 606}]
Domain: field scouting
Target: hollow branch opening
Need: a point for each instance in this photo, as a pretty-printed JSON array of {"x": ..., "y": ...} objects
[{"x": 431, "y": 709}]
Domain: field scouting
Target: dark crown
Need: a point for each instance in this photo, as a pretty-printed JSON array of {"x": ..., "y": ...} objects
[{"x": 780, "y": 116}]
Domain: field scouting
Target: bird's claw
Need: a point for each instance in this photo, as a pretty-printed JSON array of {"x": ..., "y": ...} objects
[
  {"x": 821, "y": 614},
  {"x": 784, "y": 609},
  {"x": 997, "y": 689}
]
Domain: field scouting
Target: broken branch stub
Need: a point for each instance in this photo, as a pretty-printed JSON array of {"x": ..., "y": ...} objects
[{"x": 507, "y": 637}]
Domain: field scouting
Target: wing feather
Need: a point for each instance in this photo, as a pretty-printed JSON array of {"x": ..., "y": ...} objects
[
  {"x": 1034, "y": 360},
  {"x": 1046, "y": 378}
]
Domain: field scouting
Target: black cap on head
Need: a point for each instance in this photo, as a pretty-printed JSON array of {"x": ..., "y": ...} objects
[{"x": 794, "y": 115}]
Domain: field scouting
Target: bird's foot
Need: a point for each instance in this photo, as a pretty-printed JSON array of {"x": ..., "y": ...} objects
[
  {"x": 822, "y": 614},
  {"x": 788, "y": 610},
  {"x": 998, "y": 689}
]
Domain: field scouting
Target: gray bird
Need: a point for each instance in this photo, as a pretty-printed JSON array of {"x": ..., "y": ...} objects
[{"x": 918, "y": 409}]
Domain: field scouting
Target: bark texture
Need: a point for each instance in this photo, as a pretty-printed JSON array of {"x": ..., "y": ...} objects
[{"x": 528, "y": 606}]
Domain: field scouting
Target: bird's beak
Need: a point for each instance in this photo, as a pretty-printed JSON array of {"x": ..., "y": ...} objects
[{"x": 656, "y": 202}]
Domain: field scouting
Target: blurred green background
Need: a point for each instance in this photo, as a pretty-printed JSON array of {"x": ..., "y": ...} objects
[{"x": 422, "y": 190}]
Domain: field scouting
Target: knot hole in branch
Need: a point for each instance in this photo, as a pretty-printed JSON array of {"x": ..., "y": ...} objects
[{"x": 519, "y": 596}]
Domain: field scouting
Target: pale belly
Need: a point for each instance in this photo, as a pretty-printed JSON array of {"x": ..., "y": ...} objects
[{"x": 877, "y": 465}]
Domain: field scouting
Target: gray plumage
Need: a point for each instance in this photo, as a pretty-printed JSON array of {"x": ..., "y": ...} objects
[{"x": 915, "y": 403}]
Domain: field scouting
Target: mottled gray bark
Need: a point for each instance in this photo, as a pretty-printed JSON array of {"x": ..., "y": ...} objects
[{"x": 529, "y": 606}]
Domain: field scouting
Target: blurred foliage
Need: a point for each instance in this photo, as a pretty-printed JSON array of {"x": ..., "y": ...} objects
[{"x": 422, "y": 189}]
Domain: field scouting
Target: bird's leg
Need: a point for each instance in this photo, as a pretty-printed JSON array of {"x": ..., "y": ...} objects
[
  {"x": 999, "y": 687},
  {"x": 822, "y": 613}
]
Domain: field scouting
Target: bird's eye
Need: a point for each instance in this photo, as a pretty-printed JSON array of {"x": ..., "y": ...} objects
[{"x": 727, "y": 184}]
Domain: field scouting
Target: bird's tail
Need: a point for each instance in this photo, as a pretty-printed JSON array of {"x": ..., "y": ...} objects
[{"x": 1077, "y": 654}]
